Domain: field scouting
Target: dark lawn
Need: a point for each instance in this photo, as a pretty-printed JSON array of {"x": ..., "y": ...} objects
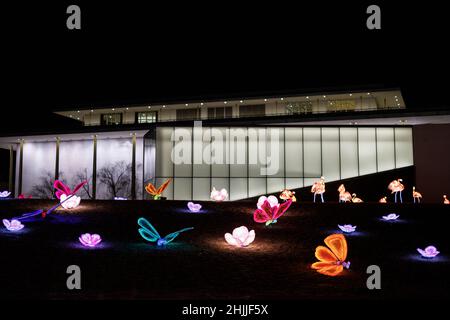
[{"x": 199, "y": 264}]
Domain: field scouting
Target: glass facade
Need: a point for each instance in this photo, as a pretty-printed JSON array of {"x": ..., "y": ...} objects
[
  {"x": 250, "y": 161},
  {"x": 247, "y": 161}
]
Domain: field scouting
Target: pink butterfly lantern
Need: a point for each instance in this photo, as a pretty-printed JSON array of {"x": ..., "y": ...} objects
[
  {"x": 269, "y": 214},
  {"x": 63, "y": 192}
]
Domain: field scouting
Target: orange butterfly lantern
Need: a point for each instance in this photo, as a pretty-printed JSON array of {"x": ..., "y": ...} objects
[
  {"x": 332, "y": 259},
  {"x": 156, "y": 193}
]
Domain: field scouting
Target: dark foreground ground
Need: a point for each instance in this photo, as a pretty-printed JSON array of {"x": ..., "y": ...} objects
[{"x": 200, "y": 265}]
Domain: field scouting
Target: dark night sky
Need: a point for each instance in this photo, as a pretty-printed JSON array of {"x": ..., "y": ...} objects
[{"x": 129, "y": 53}]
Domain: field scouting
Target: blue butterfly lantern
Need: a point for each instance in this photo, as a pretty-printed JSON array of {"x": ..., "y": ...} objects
[{"x": 149, "y": 233}]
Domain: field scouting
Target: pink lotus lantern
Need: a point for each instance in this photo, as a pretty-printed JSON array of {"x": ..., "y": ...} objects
[
  {"x": 194, "y": 207},
  {"x": 429, "y": 252},
  {"x": 273, "y": 201},
  {"x": 391, "y": 216},
  {"x": 90, "y": 240},
  {"x": 241, "y": 237},
  {"x": 5, "y": 194},
  {"x": 71, "y": 203},
  {"x": 13, "y": 225},
  {"x": 219, "y": 195},
  {"x": 348, "y": 228}
]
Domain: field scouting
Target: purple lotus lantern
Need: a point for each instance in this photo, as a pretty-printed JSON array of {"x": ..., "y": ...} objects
[
  {"x": 429, "y": 252},
  {"x": 194, "y": 207},
  {"x": 348, "y": 228},
  {"x": 90, "y": 240},
  {"x": 13, "y": 225},
  {"x": 391, "y": 216}
]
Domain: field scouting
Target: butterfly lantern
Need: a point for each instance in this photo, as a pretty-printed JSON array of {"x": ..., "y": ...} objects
[
  {"x": 149, "y": 233},
  {"x": 332, "y": 258},
  {"x": 269, "y": 214},
  {"x": 63, "y": 193},
  {"x": 156, "y": 193},
  {"x": 15, "y": 224}
]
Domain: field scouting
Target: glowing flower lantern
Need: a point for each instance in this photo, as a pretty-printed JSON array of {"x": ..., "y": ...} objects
[
  {"x": 149, "y": 233},
  {"x": 391, "y": 216},
  {"x": 5, "y": 194},
  {"x": 13, "y": 225},
  {"x": 273, "y": 201},
  {"x": 194, "y": 207},
  {"x": 446, "y": 201},
  {"x": 90, "y": 240},
  {"x": 287, "y": 194},
  {"x": 348, "y": 228},
  {"x": 344, "y": 196},
  {"x": 240, "y": 237},
  {"x": 416, "y": 195},
  {"x": 71, "y": 203},
  {"x": 218, "y": 196},
  {"x": 268, "y": 214},
  {"x": 332, "y": 258},
  {"x": 22, "y": 196},
  {"x": 318, "y": 188},
  {"x": 429, "y": 252},
  {"x": 383, "y": 200},
  {"x": 396, "y": 186},
  {"x": 156, "y": 193},
  {"x": 67, "y": 196}
]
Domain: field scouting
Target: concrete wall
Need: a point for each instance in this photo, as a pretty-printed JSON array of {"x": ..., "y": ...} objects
[{"x": 432, "y": 160}]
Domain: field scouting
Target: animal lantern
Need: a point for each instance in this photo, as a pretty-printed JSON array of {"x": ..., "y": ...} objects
[
  {"x": 287, "y": 194},
  {"x": 396, "y": 186},
  {"x": 344, "y": 196},
  {"x": 318, "y": 188},
  {"x": 416, "y": 196}
]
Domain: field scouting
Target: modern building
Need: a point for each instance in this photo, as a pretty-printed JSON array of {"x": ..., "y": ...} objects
[{"x": 248, "y": 145}]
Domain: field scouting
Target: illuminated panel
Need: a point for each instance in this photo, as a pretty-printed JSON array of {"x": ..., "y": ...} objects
[
  {"x": 202, "y": 153},
  {"x": 275, "y": 152},
  {"x": 256, "y": 186},
  {"x": 202, "y": 189},
  {"x": 182, "y": 188},
  {"x": 38, "y": 168},
  {"x": 275, "y": 185},
  {"x": 219, "y": 150},
  {"x": 330, "y": 153},
  {"x": 238, "y": 152},
  {"x": 256, "y": 151},
  {"x": 349, "y": 152},
  {"x": 164, "y": 164},
  {"x": 238, "y": 188},
  {"x": 294, "y": 153},
  {"x": 76, "y": 169},
  {"x": 183, "y": 152},
  {"x": 312, "y": 152},
  {"x": 385, "y": 149},
  {"x": 403, "y": 147},
  {"x": 367, "y": 151},
  {"x": 114, "y": 159}
]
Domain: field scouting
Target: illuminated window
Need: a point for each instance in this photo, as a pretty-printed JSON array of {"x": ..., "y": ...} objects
[
  {"x": 146, "y": 117},
  {"x": 109, "y": 119}
]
